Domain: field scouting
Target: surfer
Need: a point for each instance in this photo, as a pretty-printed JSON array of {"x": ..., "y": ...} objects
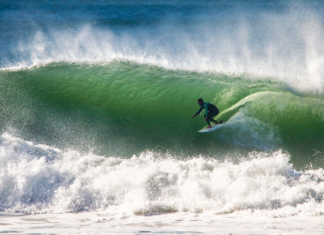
[{"x": 211, "y": 111}]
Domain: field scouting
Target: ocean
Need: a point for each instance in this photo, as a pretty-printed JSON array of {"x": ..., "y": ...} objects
[{"x": 95, "y": 115}]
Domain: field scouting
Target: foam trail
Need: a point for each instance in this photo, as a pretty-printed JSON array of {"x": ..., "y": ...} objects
[{"x": 38, "y": 179}]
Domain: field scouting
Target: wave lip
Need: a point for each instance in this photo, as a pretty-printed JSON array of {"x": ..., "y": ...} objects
[
  {"x": 281, "y": 47},
  {"x": 40, "y": 179}
]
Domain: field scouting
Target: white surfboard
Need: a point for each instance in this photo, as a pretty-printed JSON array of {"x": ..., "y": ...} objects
[{"x": 214, "y": 127}]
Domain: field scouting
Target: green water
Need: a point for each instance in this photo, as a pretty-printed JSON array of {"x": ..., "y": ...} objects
[{"x": 122, "y": 109}]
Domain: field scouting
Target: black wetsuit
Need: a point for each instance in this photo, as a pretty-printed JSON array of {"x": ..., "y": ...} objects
[{"x": 211, "y": 111}]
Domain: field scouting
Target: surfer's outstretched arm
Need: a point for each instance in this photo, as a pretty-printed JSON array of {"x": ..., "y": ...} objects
[{"x": 197, "y": 112}]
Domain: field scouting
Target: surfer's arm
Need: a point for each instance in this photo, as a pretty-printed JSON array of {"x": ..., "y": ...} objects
[{"x": 198, "y": 112}]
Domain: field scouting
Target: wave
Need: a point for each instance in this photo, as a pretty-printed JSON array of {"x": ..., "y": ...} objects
[
  {"x": 95, "y": 108},
  {"x": 122, "y": 108}
]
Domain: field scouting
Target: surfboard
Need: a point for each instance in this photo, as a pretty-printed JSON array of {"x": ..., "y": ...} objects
[{"x": 214, "y": 127}]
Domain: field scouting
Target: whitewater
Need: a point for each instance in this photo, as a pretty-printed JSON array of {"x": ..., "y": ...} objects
[{"x": 96, "y": 99}]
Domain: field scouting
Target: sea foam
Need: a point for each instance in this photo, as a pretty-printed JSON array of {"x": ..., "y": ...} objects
[{"x": 40, "y": 179}]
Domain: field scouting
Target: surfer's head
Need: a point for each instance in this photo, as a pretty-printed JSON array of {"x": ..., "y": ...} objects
[{"x": 200, "y": 101}]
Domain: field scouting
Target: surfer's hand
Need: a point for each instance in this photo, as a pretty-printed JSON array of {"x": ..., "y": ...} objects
[{"x": 193, "y": 117}]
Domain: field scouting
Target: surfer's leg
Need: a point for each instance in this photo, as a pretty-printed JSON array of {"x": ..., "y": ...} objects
[
  {"x": 212, "y": 120},
  {"x": 212, "y": 114},
  {"x": 207, "y": 120}
]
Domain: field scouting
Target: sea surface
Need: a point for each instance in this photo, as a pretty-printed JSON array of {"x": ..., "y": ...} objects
[{"x": 96, "y": 100}]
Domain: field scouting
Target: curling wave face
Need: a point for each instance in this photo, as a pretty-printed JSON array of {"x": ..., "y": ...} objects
[{"x": 122, "y": 109}]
